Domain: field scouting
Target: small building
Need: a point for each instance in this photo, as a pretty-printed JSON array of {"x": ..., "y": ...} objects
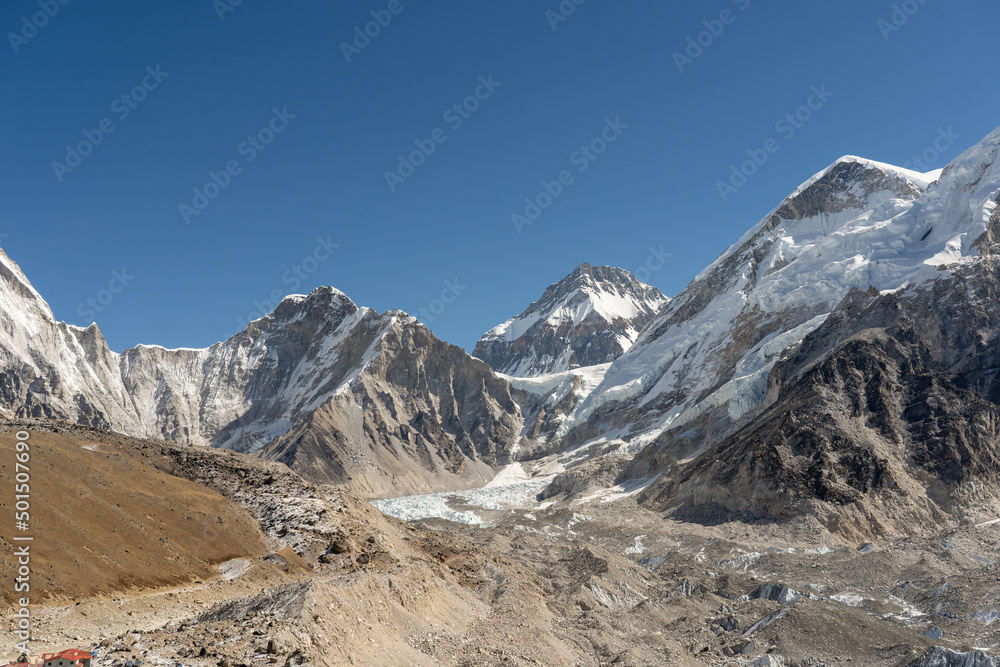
[{"x": 68, "y": 658}]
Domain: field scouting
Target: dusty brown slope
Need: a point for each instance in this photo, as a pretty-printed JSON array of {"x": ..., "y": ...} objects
[{"x": 105, "y": 518}]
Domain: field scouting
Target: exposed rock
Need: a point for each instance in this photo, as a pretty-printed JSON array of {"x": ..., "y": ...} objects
[
  {"x": 987, "y": 617},
  {"x": 942, "y": 657},
  {"x": 770, "y": 591},
  {"x": 764, "y": 622},
  {"x": 341, "y": 546},
  {"x": 420, "y": 416},
  {"x": 888, "y": 385}
]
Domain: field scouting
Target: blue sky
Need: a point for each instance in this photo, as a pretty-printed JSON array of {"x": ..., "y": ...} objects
[{"x": 266, "y": 91}]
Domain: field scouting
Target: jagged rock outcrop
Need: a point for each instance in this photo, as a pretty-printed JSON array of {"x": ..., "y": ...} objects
[{"x": 942, "y": 657}]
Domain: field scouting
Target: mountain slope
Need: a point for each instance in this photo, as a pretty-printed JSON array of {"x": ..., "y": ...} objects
[
  {"x": 109, "y": 519},
  {"x": 589, "y": 317},
  {"x": 885, "y": 422}
]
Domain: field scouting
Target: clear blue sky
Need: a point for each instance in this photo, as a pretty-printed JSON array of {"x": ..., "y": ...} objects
[{"x": 323, "y": 174}]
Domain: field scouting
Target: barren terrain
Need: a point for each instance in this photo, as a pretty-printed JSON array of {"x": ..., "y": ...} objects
[{"x": 304, "y": 574}]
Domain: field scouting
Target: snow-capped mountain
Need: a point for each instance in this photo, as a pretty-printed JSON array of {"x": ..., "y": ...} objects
[
  {"x": 243, "y": 393},
  {"x": 881, "y": 422},
  {"x": 838, "y": 361},
  {"x": 50, "y": 368},
  {"x": 589, "y": 317},
  {"x": 419, "y": 415},
  {"x": 701, "y": 366},
  {"x": 600, "y": 364}
]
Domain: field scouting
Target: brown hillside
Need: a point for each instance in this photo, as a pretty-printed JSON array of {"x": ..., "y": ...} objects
[{"x": 105, "y": 519}]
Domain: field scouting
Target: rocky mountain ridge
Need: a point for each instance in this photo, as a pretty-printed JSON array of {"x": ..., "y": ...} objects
[{"x": 312, "y": 351}]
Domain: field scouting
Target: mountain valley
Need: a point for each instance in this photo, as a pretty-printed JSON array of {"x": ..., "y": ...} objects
[{"x": 793, "y": 461}]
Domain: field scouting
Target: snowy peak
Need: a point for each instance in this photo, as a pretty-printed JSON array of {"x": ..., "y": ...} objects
[
  {"x": 852, "y": 169},
  {"x": 603, "y": 291},
  {"x": 849, "y": 183},
  {"x": 16, "y": 292},
  {"x": 589, "y": 317},
  {"x": 322, "y": 304},
  {"x": 243, "y": 393},
  {"x": 848, "y": 188}
]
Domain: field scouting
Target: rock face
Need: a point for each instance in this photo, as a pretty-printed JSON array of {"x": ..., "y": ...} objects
[
  {"x": 589, "y": 317},
  {"x": 942, "y": 657},
  {"x": 243, "y": 392},
  {"x": 51, "y": 369}
]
